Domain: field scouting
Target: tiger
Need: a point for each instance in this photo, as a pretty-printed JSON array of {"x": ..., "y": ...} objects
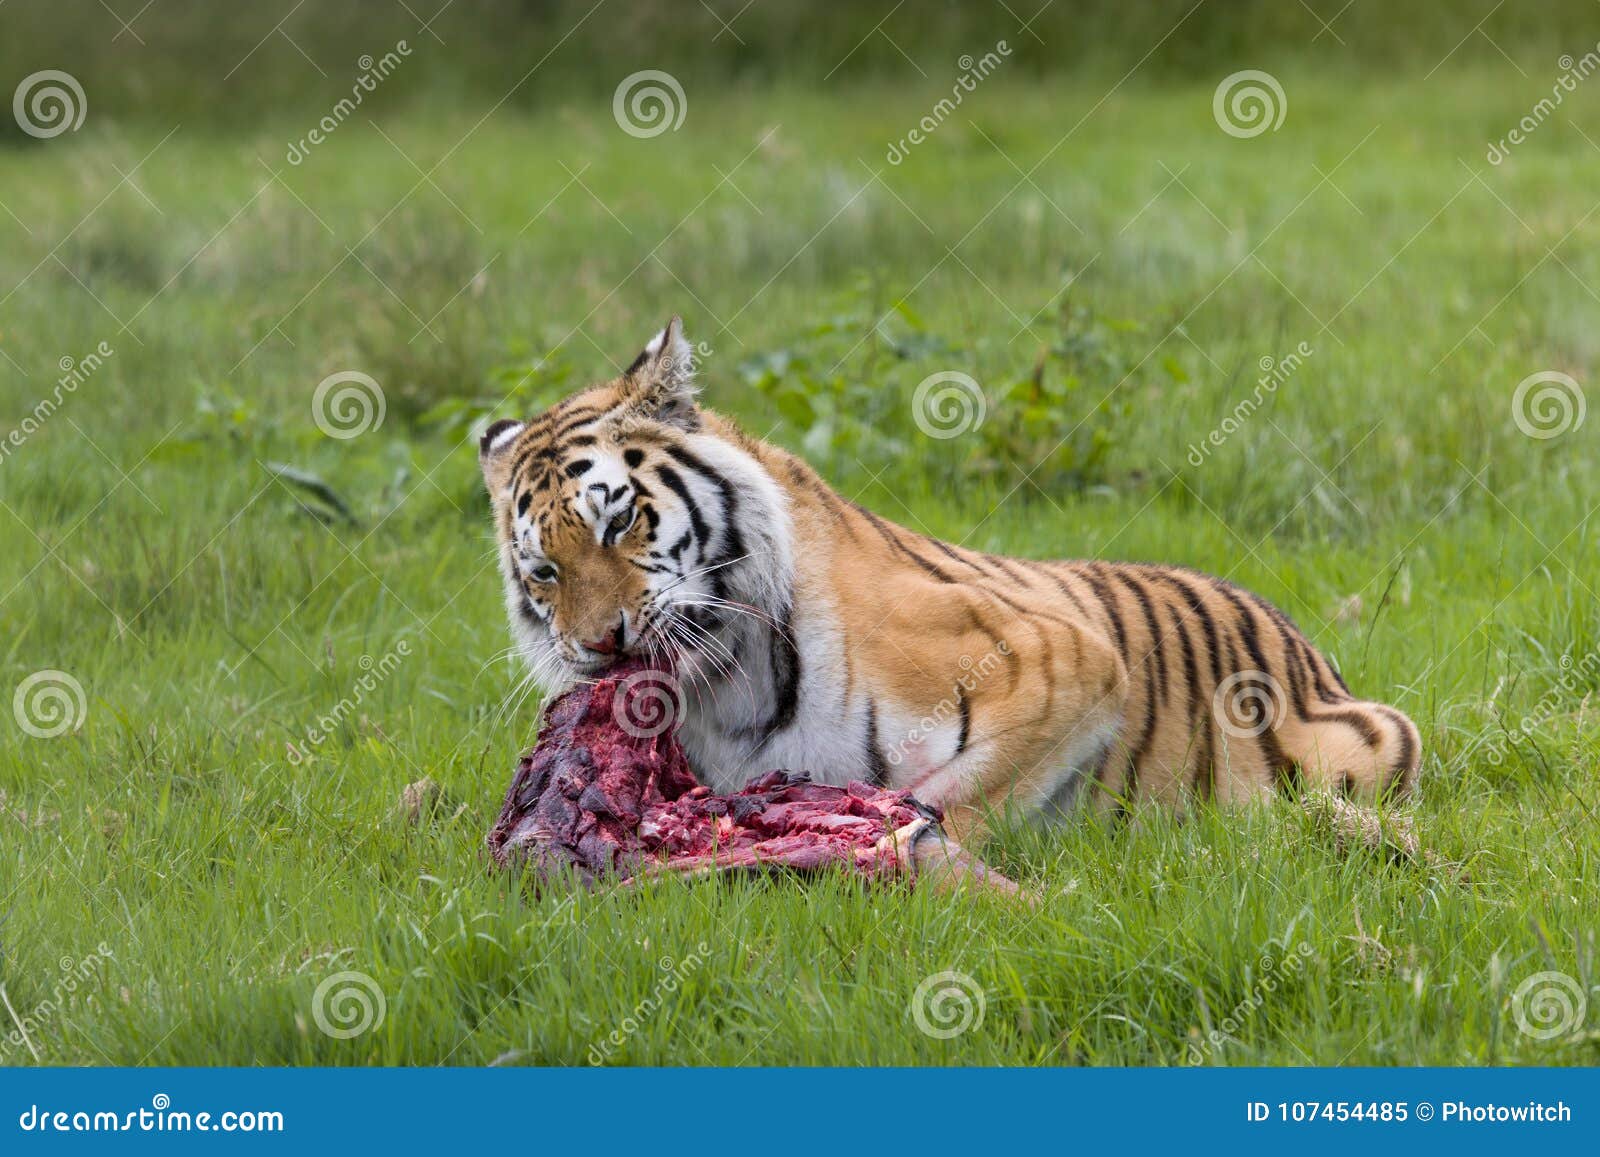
[{"x": 804, "y": 631}]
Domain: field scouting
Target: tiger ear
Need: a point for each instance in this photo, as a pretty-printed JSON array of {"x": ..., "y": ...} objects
[
  {"x": 659, "y": 385},
  {"x": 492, "y": 446}
]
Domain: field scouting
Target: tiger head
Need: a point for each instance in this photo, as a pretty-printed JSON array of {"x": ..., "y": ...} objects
[{"x": 631, "y": 521}]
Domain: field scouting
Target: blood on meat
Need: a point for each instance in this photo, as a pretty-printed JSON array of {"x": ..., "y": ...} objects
[{"x": 607, "y": 793}]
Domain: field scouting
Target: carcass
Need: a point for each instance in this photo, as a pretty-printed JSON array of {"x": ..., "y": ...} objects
[{"x": 607, "y": 794}]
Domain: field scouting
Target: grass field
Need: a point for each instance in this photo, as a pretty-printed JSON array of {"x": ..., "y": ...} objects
[{"x": 200, "y": 865}]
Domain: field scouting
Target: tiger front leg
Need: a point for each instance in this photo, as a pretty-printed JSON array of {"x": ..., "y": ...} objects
[{"x": 1037, "y": 737}]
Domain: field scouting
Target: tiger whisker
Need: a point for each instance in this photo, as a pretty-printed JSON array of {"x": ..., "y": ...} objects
[
  {"x": 745, "y": 609},
  {"x": 745, "y": 683},
  {"x": 679, "y": 632}
]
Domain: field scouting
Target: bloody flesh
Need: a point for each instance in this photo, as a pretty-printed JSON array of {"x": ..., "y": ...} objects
[{"x": 608, "y": 792}]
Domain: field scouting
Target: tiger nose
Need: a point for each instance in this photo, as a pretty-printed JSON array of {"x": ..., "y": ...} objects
[{"x": 610, "y": 643}]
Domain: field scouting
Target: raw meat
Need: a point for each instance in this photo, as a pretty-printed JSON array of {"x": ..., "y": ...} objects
[{"x": 607, "y": 793}]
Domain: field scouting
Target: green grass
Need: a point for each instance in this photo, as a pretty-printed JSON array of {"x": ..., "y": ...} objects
[{"x": 146, "y": 550}]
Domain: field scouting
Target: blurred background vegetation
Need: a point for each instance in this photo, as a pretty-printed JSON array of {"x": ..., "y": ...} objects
[
  {"x": 814, "y": 92},
  {"x": 179, "y": 58}
]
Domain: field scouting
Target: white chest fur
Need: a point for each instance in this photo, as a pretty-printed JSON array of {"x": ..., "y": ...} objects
[{"x": 724, "y": 732}]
